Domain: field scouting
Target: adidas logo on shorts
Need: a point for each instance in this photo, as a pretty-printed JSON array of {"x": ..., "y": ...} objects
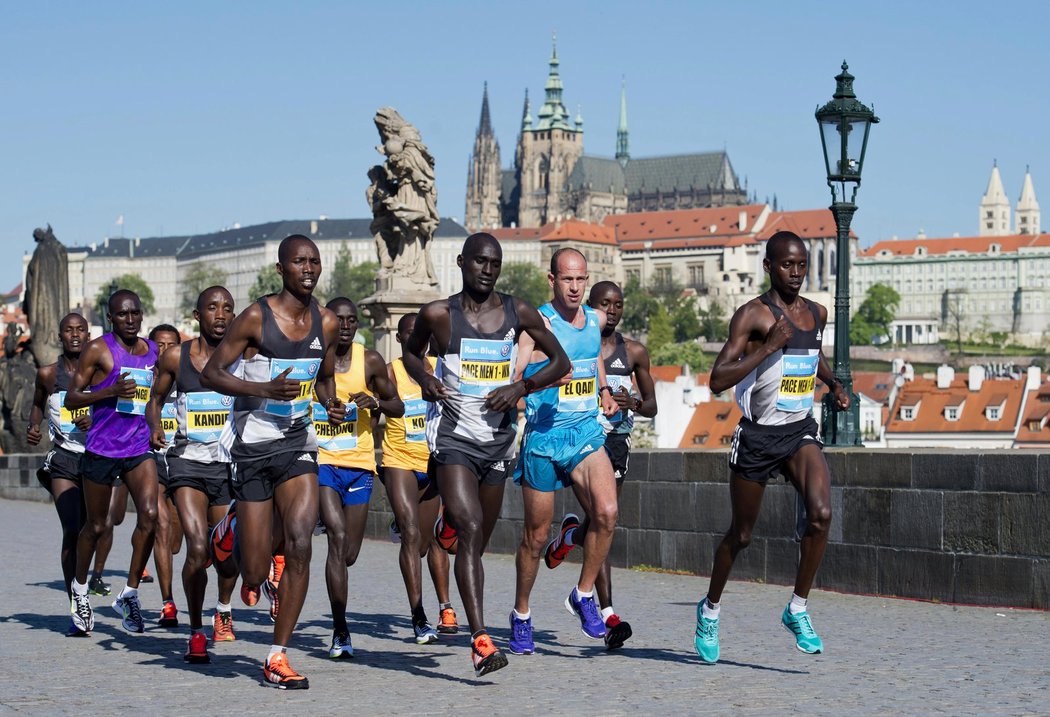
[
  {"x": 588, "y": 447},
  {"x": 315, "y": 345},
  {"x": 308, "y": 457},
  {"x": 617, "y": 364}
]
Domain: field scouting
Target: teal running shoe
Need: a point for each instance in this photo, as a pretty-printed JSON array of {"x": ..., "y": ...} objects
[
  {"x": 706, "y": 639},
  {"x": 799, "y": 625}
]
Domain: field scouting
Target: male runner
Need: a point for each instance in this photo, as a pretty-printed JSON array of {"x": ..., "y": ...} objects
[
  {"x": 772, "y": 357},
  {"x": 623, "y": 358},
  {"x": 114, "y": 376},
  {"x": 563, "y": 446},
  {"x": 169, "y": 532},
  {"x": 347, "y": 457},
  {"x": 413, "y": 496},
  {"x": 470, "y": 426},
  {"x": 198, "y": 477},
  {"x": 284, "y": 348},
  {"x": 60, "y": 473}
]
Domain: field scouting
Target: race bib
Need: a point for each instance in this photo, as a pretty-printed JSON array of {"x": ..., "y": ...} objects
[
  {"x": 169, "y": 420},
  {"x": 303, "y": 370},
  {"x": 206, "y": 415},
  {"x": 143, "y": 379},
  {"x": 616, "y": 383},
  {"x": 798, "y": 379},
  {"x": 415, "y": 420},
  {"x": 484, "y": 365},
  {"x": 581, "y": 393},
  {"x": 66, "y": 416},
  {"x": 335, "y": 438}
]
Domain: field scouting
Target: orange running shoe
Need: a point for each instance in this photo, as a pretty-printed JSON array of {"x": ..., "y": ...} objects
[
  {"x": 222, "y": 627},
  {"x": 486, "y": 656},
  {"x": 278, "y": 673},
  {"x": 557, "y": 550},
  {"x": 222, "y": 536},
  {"x": 249, "y": 595},
  {"x": 197, "y": 651},
  {"x": 447, "y": 624},
  {"x": 146, "y": 577},
  {"x": 272, "y": 583},
  {"x": 169, "y": 615},
  {"x": 445, "y": 535}
]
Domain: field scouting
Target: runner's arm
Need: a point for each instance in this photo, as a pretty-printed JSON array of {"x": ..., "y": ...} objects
[
  {"x": 36, "y": 415},
  {"x": 167, "y": 365},
  {"x": 90, "y": 361},
  {"x": 245, "y": 331},
  {"x": 384, "y": 390},
  {"x": 608, "y": 402},
  {"x": 827, "y": 376},
  {"x": 639, "y": 356},
  {"x": 732, "y": 365},
  {"x": 531, "y": 322},
  {"x": 324, "y": 386},
  {"x": 413, "y": 351}
]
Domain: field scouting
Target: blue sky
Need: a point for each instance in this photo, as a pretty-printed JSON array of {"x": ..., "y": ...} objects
[{"x": 188, "y": 117}]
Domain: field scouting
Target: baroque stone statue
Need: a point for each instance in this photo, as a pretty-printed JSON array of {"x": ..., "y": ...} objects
[
  {"x": 46, "y": 295},
  {"x": 403, "y": 199}
]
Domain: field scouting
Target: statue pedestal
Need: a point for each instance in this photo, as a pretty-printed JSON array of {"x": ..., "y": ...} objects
[{"x": 386, "y": 307}]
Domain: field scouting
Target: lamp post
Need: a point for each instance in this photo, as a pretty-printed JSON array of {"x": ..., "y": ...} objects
[{"x": 844, "y": 124}]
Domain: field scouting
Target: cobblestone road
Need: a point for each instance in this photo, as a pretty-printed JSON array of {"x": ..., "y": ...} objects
[{"x": 883, "y": 656}]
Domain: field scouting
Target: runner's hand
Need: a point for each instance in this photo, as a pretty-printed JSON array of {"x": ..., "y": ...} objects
[
  {"x": 123, "y": 387},
  {"x": 365, "y": 401},
  {"x": 610, "y": 407},
  {"x": 432, "y": 389},
  {"x": 157, "y": 441},
  {"x": 83, "y": 422},
  {"x": 842, "y": 399},
  {"x": 282, "y": 388},
  {"x": 505, "y": 398},
  {"x": 779, "y": 334},
  {"x": 623, "y": 398},
  {"x": 336, "y": 412},
  {"x": 33, "y": 435}
]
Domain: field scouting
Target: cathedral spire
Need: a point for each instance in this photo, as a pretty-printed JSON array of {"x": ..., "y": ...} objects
[
  {"x": 623, "y": 154},
  {"x": 552, "y": 114},
  {"x": 526, "y": 113},
  {"x": 1027, "y": 207},
  {"x": 995, "y": 207},
  {"x": 485, "y": 124}
]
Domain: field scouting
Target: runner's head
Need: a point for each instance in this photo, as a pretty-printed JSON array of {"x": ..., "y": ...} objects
[
  {"x": 405, "y": 326},
  {"x": 214, "y": 312},
  {"x": 481, "y": 261},
  {"x": 299, "y": 264},
  {"x": 786, "y": 262},
  {"x": 165, "y": 336},
  {"x": 73, "y": 332},
  {"x": 568, "y": 277},
  {"x": 608, "y": 297},
  {"x": 125, "y": 315},
  {"x": 346, "y": 311}
]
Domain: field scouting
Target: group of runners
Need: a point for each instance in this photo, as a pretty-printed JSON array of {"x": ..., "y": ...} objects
[{"x": 239, "y": 442}]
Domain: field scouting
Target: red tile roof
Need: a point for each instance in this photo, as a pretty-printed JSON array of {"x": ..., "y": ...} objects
[
  {"x": 807, "y": 223},
  {"x": 683, "y": 223},
  {"x": 1035, "y": 428},
  {"x": 665, "y": 373},
  {"x": 711, "y": 426},
  {"x": 575, "y": 230},
  {"x": 513, "y": 233},
  {"x": 972, "y": 245},
  {"x": 875, "y": 385},
  {"x": 931, "y": 401}
]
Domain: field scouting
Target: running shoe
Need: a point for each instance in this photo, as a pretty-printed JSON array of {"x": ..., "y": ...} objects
[
  {"x": 278, "y": 673},
  {"x": 146, "y": 577},
  {"x": 197, "y": 650},
  {"x": 395, "y": 531},
  {"x": 98, "y": 586},
  {"x": 706, "y": 639},
  {"x": 445, "y": 535},
  {"x": 169, "y": 615},
  {"x": 587, "y": 610},
  {"x": 276, "y": 570},
  {"x": 223, "y": 534},
  {"x": 557, "y": 550},
  {"x": 425, "y": 633},
  {"x": 617, "y": 632},
  {"x": 342, "y": 648},
  {"x": 486, "y": 656},
  {"x": 222, "y": 627},
  {"x": 73, "y": 630},
  {"x": 799, "y": 625},
  {"x": 130, "y": 610},
  {"x": 521, "y": 636},
  {"x": 271, "y": 594},
  {"x": 80, "y": 613},
  {"x": 249, "y": 595},
  {"x": 448, "y": 625}
]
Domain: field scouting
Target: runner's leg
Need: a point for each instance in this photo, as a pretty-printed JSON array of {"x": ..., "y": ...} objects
[
  {"x": 296, "y": 501},
  {"x": 192, "y": 506},
  {"x": 335, "y": 566},
  {"x": 403, "y": 493},
  {"x": 459, "y": 490},
  {"x": 539, "y": 511},
  {"x": 746, "y": 498},
  {"x": 97, "y": 499},
  {"x": 69, "y": 504},
  {"x": 808, "y": 471},
  {"x": 143, "y": 485}
]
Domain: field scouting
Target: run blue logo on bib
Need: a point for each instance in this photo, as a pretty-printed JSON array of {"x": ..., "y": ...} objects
[
  {"x": 206, "y": 415},
  {"x": 797, "y": 383},
  {"x": 335, "y": 438},
  {"x": 304, "y": 371},
  {"x": 415, "y": 420},
  {"x": 143, "y": 379},
  {"x": 580, "y": 393},
  {"x": 484, "y": 365}
]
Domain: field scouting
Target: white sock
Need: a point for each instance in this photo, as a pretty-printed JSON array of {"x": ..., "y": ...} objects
[
  {"x": 710, "y": 609},
  {"x": 523, "y": 615},
  {"x": 128, "y": 592},
  {"x": 606, "y": 612},
  {"x": 79, "y": 588},
  {"x": 582, "y": 594},
  {"x": 797, "y": 604},
  {"x": 274, "y": 649},
  {"x": 223, "y": 607}
]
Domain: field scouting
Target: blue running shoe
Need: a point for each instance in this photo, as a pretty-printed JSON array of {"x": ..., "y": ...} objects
[
  {"x": 799, "y": 625},
  {"x": 587, "y": 610},
  {"x": 342, "y": 648},
  {"x": 706, "y": 639},
  {"x": 521, "y": 636}
]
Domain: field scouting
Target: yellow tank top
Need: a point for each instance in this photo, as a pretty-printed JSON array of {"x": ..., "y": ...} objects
[
  {"x": 405, "y": 440},
  {"x": 349, "y": 444}
]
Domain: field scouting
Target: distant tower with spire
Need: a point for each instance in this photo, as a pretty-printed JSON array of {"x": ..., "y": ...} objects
[
  {"x": 1027, "y": 213},
  {"x": 484, "y": 179},
  {"x": 623, "y": 152},
  {"x": 995, "y": 206}
]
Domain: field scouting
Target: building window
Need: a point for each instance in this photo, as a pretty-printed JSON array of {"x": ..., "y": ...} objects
[
  {"x": 908, "y": 413},
  {"x": 951, "y": 413},
  {"x": 993, "y": 413}
]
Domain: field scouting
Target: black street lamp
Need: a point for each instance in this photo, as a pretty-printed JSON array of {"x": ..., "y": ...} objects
[{"x": 844, "y": 124}]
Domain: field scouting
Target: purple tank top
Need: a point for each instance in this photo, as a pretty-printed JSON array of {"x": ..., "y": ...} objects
[{"x": 113, "y": 433}]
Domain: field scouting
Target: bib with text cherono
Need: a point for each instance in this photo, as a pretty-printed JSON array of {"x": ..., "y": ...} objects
[
  {"x": 143, "y": 379},
  {"x": 484, "y": 365},
  {"x": 335, "y": 438},
  {"x": 797, "y": 382},
  {"x": 581, "y": 393},
  {"x": 304, "y": 371},
  {"x": 67, "y": 416},
  {"x": 415, "y": 420},
  {"x": 206, "y": 414}
]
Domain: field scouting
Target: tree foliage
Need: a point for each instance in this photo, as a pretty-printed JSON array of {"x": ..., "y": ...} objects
[
  {"x": 875, "y": 316},
  {"x": 130, "y": 282},
  {"x": 683, "y": 353},
  {"x": 713, "y": 324},
  {"x": 267, "y": 281},
  {"x": 638, "y": 306},
  {"x": 661, "y": 330},
  {"x": 198, "y": 278},
  {"x": 685, "y": 320},
  {"x": 354, "y": 281},
  {"x": 525, "y": 281}
]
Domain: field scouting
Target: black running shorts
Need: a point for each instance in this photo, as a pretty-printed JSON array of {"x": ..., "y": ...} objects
[
  {"x": 108, "y": 471},
  {"x": 618, "y": 446},
  {"x": 212, "y": 479},
  {"x": 255, "y": 480},
  {"x": 59, "y": 463},
  {"x": 162, "y": 467},
  {"x": 487, "y": 472},
  {"x": 759, "y": 452}
]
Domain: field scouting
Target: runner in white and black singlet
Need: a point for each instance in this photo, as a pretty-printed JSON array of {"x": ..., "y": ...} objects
[
  {"x": 470, "y": 426},
  {"x": 197, "y": 473},
  {"x": 283, "y": 346},
  {"x": 773, "y": 358}
]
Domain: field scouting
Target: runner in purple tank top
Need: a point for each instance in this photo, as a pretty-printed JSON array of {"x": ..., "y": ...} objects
[{"x": 114, "y": 376}]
